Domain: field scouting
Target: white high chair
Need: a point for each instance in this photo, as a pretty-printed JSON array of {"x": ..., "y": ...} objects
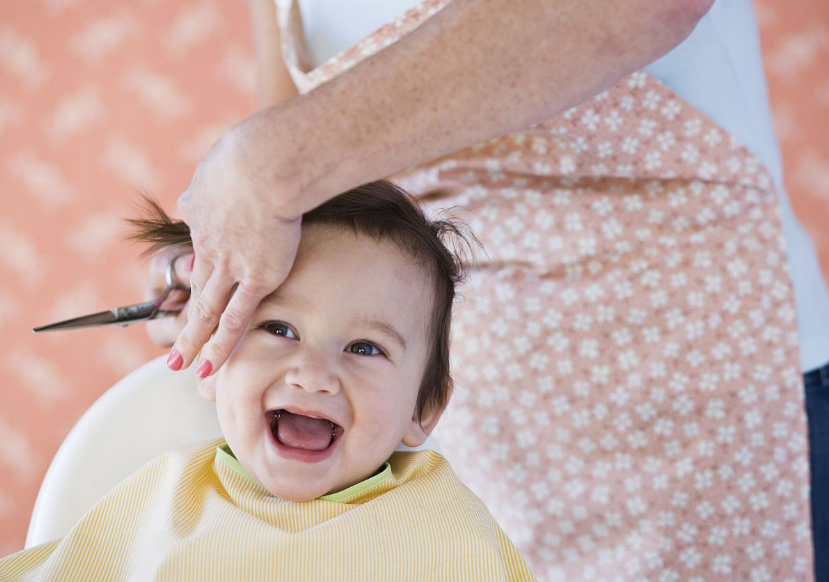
[{"x": 150, "y": 411}]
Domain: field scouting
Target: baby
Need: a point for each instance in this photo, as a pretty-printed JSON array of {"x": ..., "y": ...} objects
[{"x": 348, "y": 358}]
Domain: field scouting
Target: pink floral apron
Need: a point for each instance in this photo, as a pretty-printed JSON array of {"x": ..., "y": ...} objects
[{"x": 628, "y": 398}]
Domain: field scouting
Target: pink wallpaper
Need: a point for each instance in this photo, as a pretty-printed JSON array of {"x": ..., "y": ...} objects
[
  {"x": 101, "y": 99},
  {"x": 97, "y": 100}
]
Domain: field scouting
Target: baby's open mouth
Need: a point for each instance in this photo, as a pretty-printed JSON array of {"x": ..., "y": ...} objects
[{"x": 302, "y": 432}]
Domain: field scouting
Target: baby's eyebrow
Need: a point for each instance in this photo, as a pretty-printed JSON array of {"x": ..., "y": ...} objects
[{"x": 386, "y": 329}]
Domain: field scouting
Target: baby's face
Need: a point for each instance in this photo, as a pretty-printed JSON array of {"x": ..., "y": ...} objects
[{"x": 323, "y": 385}]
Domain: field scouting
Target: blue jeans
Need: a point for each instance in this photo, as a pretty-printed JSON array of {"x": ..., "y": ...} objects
[{"x": 817, "y": 410}]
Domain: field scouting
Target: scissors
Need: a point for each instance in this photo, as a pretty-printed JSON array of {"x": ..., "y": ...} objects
[{"x": 123, "y": 316}]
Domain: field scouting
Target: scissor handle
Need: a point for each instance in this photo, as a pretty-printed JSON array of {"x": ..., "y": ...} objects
[
  {"x": 169, "y": 275},
  {"x": 151, "y": 309}
]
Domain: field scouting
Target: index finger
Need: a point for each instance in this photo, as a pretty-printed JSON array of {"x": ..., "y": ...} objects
[
  {"x": 204, "y": 310},
  {"x": 232, "y": 326}
]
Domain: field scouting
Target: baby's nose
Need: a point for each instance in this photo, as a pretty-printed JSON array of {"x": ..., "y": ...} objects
[{"x": 313, "y": 372}]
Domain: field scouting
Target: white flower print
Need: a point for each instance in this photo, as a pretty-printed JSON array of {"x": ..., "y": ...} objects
[
  {"x": 590, "y": 119},
  {"x": 649, "y": 234}
]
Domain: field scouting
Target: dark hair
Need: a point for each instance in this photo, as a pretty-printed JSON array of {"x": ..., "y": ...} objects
[{"x": 384, "y": 212}]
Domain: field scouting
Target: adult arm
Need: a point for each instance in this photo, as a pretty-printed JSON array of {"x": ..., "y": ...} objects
[{"x": 476, "y": 70}]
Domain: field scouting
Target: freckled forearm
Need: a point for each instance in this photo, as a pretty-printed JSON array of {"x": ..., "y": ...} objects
[{"x": 476, "y": 70}]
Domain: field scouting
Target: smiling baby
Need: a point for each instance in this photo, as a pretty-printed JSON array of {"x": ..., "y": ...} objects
[{"x": 345, "y": 361}]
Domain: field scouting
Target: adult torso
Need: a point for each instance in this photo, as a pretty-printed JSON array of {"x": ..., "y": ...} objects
[{"x": 717, "y": 69}]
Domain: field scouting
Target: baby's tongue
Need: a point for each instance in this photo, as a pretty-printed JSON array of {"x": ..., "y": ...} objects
[{"x": 303, "y": 432}]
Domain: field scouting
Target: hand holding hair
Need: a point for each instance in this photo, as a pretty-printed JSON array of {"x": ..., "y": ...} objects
[{"x": 244, "y": 247}]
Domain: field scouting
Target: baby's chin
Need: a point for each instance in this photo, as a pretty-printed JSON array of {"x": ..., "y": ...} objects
[
  {"x": 300, "y": 487},
  {"x": 294, "y": 493},
  {"x": 299, "y": 490}
]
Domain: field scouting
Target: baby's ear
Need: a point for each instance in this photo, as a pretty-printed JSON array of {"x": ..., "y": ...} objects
[
  {"x": 420, "y": 428},
  {"x": 207, "y": 388}
]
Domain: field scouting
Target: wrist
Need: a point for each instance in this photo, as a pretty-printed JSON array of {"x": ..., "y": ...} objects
[{"x": 295, "y": 147}]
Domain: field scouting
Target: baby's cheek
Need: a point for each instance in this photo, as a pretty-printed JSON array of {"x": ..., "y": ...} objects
[
  {"x": 385, "y": 416},
  {"x": 239, "y": 400},
  {"x": 257, "y": 365}
]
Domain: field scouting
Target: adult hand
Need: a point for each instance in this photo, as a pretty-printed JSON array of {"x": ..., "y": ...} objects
[
  {"x": 164, "y": 330},
  {"x": 244, "y": 245}
]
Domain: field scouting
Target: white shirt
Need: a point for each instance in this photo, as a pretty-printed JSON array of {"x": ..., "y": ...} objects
[{"x": 717, "y": 69}]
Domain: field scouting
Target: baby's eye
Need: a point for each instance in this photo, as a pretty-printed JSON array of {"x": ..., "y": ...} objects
[
  {"x": 364, "y": 349},
  {"x": 278, "y": 328}
]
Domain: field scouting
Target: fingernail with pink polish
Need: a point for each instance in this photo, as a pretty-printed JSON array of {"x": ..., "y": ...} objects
[
  {"x": 204, "y": 369},
  {"x": 174, "y": 361}
]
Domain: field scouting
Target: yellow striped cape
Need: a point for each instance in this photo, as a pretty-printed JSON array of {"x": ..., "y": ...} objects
[{"x": 186, "y": 515}]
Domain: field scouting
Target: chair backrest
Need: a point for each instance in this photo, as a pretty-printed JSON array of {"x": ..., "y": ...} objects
[{"x": 150, "y": 411}]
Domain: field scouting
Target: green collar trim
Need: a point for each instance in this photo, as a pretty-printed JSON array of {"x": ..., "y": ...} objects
[
  {"x": 225, "y": 455},
  {"x": 357, "y": 488}
]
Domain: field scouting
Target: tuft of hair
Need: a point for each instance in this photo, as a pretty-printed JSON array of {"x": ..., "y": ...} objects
[
  {"x": 384, "y": 211},
  {"x": 154, "y": 228}
]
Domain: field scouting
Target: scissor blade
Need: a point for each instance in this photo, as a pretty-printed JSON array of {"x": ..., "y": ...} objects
[
  {"x": 122, "y": 316},
  {"x": 92, "y": 320}
]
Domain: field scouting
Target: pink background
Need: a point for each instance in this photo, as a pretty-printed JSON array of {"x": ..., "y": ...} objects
[{"x": 101, "y": 99}]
